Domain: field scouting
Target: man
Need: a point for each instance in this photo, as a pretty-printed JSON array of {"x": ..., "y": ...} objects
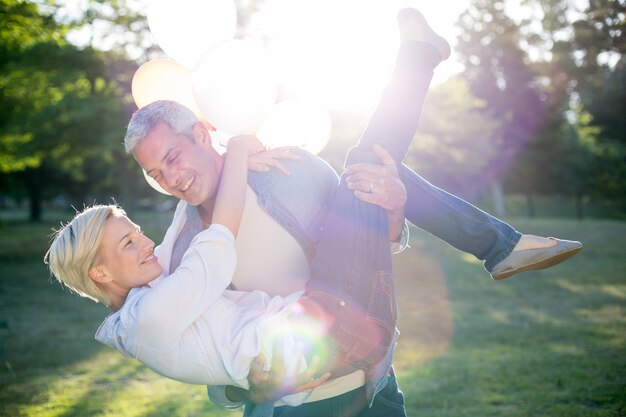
[{"x": 284, "y": 213}]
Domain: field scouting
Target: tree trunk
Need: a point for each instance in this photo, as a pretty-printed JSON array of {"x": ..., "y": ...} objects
[
  {"x": 580, "y": 212},
  {"x": 33, "y": 180},
  {"x": 34, "y": 195},
  {"x": 530, "y": 203},
  {"x": 497, "y": 199}
]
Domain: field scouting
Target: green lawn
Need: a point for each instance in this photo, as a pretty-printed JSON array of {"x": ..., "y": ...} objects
[{"x": 549, "y": 343}]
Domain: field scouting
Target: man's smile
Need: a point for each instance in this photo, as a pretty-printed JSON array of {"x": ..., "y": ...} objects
[{"x": 188, "y": 183}]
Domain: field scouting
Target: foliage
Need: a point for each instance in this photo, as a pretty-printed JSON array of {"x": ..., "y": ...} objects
[
  {"x": 550, "y": 87},
  {"x": 62, "y": 110},
  {"x": 538, "y": 75},
  {"x": 594, "y": 65},
  {"x": 495, "y": 66},
  {"x": 459, "y": 155}
]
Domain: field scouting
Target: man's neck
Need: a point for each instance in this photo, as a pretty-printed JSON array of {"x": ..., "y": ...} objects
[{"x": 206, "y": 211}]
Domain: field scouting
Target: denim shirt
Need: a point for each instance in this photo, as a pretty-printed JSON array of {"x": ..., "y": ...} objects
[{"x": 297, "y": 202}]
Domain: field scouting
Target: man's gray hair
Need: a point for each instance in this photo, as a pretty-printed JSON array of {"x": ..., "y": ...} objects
[{"x": 178, "y": 117}]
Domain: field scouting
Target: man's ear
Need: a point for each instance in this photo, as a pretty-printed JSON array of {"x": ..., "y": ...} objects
[
  {"x": 99, "y": 274},
  {"x": 201, "y": 134}
]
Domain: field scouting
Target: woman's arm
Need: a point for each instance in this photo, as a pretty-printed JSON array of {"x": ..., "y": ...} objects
[
  {"x": 209, "y": 262},
  {"x": 231, "y": 195}
]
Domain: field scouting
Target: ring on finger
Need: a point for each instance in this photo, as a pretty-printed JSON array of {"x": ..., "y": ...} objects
[{"x": 371, "y": 187}]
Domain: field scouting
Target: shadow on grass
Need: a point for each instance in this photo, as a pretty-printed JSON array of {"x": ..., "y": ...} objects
[
  {"x": 50, "y": 364},
  {"x": 550, "y": 342}
]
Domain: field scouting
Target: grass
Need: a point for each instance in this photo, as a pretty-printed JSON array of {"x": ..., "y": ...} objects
[
  {"x": 558, "y": 206},
  {"x": 548, "y": 343}
]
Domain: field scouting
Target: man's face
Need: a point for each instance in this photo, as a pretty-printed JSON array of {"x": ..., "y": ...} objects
[{"x": 187, "y": 168}]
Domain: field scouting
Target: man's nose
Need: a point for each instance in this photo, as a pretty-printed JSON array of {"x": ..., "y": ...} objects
[{"x": 170, "y": 179}]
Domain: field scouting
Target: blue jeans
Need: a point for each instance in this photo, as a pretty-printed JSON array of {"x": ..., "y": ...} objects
[
  {"x": 351, "y": 282},
  {"x": 457, "y": 222},
  {"x": 388, "y": 403},
  {"x": 351, "y": 285},
  {"x": 393, "y": 125}
]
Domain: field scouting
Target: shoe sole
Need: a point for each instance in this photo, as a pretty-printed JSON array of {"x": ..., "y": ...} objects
[{"x": 546, "y": 263}]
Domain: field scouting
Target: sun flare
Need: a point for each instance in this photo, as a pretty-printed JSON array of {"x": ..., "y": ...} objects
[
  {"x": 335, "y": 54},
  {"x": 341, "y": 53}
]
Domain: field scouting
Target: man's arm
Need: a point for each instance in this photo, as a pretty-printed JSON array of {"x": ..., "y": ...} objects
[
  {"x": 381, "y": 185},
  {"x": 268, "y": 385}
]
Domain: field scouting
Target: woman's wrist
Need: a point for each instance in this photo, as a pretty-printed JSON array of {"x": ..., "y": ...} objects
[{"x": 247, "y": 142}]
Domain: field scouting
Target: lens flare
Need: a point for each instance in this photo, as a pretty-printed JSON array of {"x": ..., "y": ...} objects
[
  {"x": 296, "y": 122},
  {"x": 235, "y": 86},
  {"x": 185, "y": 29},
  {"x": 163, "y": 79}
]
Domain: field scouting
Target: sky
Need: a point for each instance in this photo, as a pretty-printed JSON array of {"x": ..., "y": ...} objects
[
  {"x": 343, "y": 51},
  {"x": 339, "y": 53}
]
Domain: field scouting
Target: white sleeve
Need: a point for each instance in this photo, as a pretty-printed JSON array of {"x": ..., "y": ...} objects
[
  {"x": 403, "y": 241},
  {"x": 206, "y": 270}
]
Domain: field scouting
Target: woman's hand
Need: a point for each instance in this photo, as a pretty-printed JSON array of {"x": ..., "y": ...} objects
[
  {"x": 270, "y": 385},
  {"x": 266, "y": 159},
  {"x": 250, "y": 142},
  {"x": 260, "y": 158}
]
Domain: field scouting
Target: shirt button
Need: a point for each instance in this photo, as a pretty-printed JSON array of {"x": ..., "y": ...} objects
[{"x": 342, "y": 303}]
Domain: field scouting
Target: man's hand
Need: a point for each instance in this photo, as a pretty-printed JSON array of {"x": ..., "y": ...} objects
[
  {"x": 270, "y": 385},
  {"x": 263, "y": 160},
  {"x": 380, "y": 185}
]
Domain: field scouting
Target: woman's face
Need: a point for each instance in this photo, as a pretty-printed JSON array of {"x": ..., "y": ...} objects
[{"x": 128, "y": 255}]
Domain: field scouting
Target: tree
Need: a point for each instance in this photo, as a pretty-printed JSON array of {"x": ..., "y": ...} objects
[
  {"x": 61, "y": 109},
  {"x": 586, "y": 67},
  {"x": 457, "y": 143},
  {"x": 498, "y": 72}
]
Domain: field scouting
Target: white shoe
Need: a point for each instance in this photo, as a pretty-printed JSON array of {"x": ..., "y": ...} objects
[
  {"x": 414, "y": 27},
  {"x": 538, "y": 258}
]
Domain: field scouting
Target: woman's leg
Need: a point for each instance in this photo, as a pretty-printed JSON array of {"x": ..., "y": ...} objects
[
  {"x": 395, "y": 119},
  {"x": 457, "y": 222},
  {"x": 351, "y": 282},
  {"x": 351, "y": 287},
  {"x": 503, "y": 249},
  {"x": 393, "y": 125}
]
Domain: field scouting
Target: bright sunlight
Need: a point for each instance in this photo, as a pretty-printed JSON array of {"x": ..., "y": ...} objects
[{"x": 341, "y": 53}]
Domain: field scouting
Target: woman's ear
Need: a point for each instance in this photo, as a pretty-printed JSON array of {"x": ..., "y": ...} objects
[{"x": 99, "y": 274}]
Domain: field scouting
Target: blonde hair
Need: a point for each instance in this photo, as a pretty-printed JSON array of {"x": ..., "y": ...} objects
[{"x": 75, "y": 250}]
